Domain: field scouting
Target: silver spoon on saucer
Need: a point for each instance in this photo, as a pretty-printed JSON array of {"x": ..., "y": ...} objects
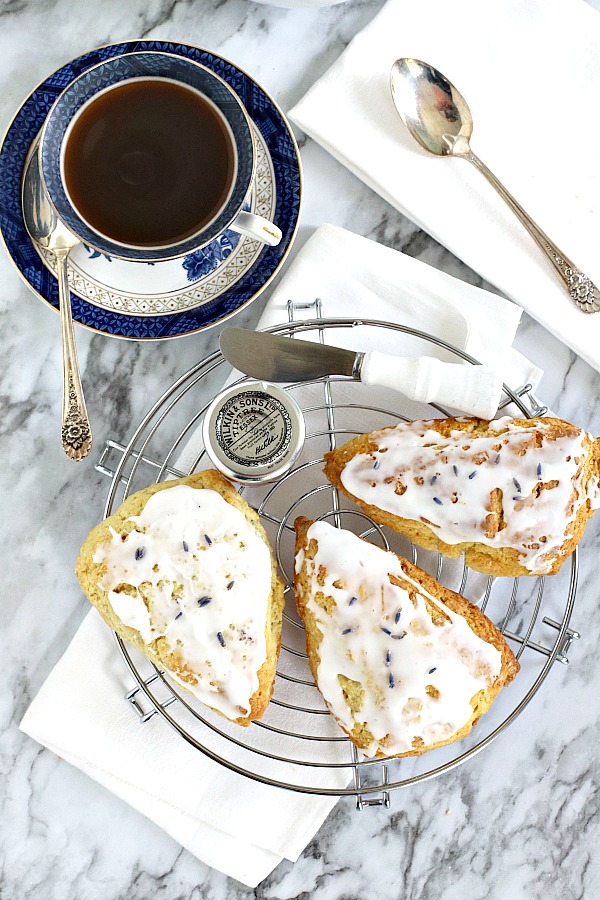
[
  {"x": 46, "y": 230},
  {"x": 438, "y": 117}
]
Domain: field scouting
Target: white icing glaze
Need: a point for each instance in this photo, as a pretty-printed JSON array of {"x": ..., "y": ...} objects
[
  {"x": 202, "y": 571},
  {"x": 448, "y": 482},
  {"x": 395, "y": 672}
]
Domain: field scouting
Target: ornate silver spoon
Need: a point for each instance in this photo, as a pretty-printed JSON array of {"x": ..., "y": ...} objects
[
  {"x": 46, "y": 229},
  {"x": 438, "y": 117}
]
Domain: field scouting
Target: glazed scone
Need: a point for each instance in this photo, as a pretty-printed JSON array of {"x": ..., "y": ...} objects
[
  {"x": 403, "y": 664},
  {"x": 183, "y": 571},
  {"x": 513, "y": 494}
]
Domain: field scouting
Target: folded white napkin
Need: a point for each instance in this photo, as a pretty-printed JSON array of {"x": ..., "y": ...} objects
[
  {"x": 528, "y": 69},
  {"x": 357, "y": 278},
  {"x": 236, "y": 825},
  {"x": 233, "y": 824}
]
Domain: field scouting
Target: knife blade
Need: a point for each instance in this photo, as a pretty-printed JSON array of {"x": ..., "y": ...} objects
[
  {"x": 271, "y": 357},
  {"x": 474, "y": 389}
]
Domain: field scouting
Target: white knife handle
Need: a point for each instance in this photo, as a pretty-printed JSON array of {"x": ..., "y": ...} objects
[{"x": 471, "y": 389}]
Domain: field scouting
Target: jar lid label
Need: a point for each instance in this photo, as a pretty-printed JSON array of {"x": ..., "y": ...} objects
[{"x": 253, "y": 428}]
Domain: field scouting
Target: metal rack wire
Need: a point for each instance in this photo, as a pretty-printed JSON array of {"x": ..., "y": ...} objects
[{"x": 297, "y": 745}]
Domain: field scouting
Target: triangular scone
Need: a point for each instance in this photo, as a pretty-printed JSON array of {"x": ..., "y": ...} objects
[
  {"x": 404, "y": 664},
  {"x": 183, "y": 571},
  {"x": 513, "y": 494}
]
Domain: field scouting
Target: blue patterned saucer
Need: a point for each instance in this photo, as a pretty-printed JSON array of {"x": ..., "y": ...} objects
[{"x": 177, "y": 297}]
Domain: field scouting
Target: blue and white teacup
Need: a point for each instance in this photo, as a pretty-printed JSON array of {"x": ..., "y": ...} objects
[{"x": 104, "y": 78}]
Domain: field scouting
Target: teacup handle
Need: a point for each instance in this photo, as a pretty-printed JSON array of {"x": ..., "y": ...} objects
[{"x": 256, "y": 227}]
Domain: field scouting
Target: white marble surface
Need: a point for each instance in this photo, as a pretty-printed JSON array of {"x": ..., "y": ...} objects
[{"x": 519, "y": 820}]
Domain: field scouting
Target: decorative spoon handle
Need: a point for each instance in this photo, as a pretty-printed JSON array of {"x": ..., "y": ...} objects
[
  {"x": 76, "y": 431},
  {"x": 582, "y": 290}
]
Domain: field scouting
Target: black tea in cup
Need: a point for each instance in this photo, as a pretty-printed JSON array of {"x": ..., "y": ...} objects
[{"x": 149, "y": 162}]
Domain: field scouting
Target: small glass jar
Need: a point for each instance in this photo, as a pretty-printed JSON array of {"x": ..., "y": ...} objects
[{"x": 253, "y": 432}]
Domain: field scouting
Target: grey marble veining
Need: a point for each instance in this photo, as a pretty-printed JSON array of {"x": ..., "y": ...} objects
[{"x": 520, "y": 820}]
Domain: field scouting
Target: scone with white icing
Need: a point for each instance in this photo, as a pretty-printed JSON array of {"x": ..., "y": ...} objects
[
  {"x": 404, "y": 664},
  {"x": 183, "y": 571},
  {"x": 513, "y": 494}
]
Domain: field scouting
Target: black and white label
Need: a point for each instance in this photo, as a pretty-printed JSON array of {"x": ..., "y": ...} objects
[{"x": 253, "y": 429}]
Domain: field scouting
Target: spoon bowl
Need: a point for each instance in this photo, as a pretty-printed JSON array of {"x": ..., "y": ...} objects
[
  {"x": 432, "y": 109},
  {"x": 438, "y": 117},
  {"x": 45, "y": 229}
]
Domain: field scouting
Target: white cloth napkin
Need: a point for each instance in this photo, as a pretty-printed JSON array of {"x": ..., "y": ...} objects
[
  {"x": 357, "y": 278},
  {"x": 233, "y": 824},
  {"x": 529, "y": 70},
  {"x": 236, "y": 825}
]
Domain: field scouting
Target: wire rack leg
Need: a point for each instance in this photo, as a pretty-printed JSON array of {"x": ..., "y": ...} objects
[{"x": 361, "y": 802}]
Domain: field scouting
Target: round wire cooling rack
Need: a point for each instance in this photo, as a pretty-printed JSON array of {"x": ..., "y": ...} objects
[{"x": 297, "y": 744}]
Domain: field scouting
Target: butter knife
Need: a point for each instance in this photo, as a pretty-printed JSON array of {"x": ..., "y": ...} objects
[{"x": 473, "y": 389}]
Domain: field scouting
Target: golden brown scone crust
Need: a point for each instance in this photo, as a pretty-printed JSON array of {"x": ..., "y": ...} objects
[
  {"x": 478, "y": 556},
  {"x": 159, "y": 652},
  {"x": 477, "y": 621}
]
